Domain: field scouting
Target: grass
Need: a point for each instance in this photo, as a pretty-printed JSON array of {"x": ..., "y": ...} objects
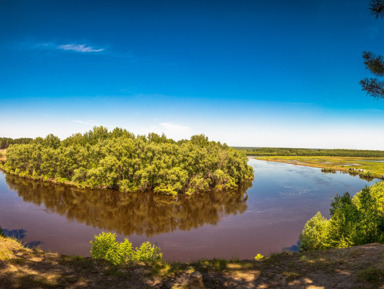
[
  {"x": 365, "y": 167},
  {"x": 371, "y": 274}
]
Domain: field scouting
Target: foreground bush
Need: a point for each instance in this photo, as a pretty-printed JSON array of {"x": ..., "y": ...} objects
[
  {"x": 354, "y": 221},
  {"x": 120, "y": 160},
  {"x": 106, "y": 247}
]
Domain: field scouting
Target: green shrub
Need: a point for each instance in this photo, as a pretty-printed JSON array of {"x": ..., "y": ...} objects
[
  {"x": 147, "y": 252},
  {"x": 106, "y": 247},
  {"x": 258, "y": 257}
]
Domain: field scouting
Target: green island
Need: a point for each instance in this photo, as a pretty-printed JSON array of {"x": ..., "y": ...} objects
[{"x": 120, "y": 160}]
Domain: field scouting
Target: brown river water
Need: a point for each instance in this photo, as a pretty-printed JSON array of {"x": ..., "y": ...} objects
[{"x": 264, "y": 217}]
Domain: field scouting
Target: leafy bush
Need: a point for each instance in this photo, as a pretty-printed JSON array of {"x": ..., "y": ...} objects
[
  {"x": 258, "y": 257},
  {"x": 147, "y": 252},
  {"x": 106, "y": 247}
]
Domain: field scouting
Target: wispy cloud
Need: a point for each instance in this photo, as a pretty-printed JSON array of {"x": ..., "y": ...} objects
[
  {"x": 74, "y": 47},
  {"x": 79, "y": 48}
]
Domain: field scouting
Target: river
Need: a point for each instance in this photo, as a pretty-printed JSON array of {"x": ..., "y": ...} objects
[{"x": 264, "y": 217}]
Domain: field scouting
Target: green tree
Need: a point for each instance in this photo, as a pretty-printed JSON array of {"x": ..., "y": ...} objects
[
  {"x": 375, "y": 63},
  {"x": 314, "y": 235},
  {"x": 354, "y": 221},
  {"x": 343, "y": 222}
]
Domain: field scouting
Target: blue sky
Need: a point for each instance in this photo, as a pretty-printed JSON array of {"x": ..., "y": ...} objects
[{"x": 248, "y": 73}]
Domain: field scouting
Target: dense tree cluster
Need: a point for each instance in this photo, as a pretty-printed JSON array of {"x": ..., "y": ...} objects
[
  {"x": 6, "y": 141},
  {"x": 252, "y": 151},
  {"x": 354, "y": 221},
  {"x": 120, "y": 160}
]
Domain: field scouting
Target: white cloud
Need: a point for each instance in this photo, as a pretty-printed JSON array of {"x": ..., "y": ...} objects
[
  {"x": 171, "y": 130},
  {"x": 79, "y": 48}
]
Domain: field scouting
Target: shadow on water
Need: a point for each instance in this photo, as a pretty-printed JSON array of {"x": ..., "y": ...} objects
[
  {"x": 20, "y": 235},
  {"x": 293, "y": 248},
  {"x": 132, "y": 213}
]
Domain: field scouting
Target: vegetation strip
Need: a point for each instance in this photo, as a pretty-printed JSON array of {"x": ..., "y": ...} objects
[
  {"x": 256, "y": 151},
  {"x": 362, "y": 166}
]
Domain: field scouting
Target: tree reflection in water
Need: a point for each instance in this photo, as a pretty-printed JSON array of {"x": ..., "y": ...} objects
[{"x": 132, "y": 213}]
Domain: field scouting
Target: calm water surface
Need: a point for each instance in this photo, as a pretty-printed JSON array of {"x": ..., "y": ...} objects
[{"x": 264, "y": 218}]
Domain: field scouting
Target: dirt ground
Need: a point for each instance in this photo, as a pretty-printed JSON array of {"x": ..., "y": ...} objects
[{"x": 356, "y": 267}]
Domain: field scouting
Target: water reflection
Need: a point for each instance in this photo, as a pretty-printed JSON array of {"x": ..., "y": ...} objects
[
  {"x": 133, "y": 213},
  {"x": 351, "y": 173},
  {"x": 20, "y": 235}
]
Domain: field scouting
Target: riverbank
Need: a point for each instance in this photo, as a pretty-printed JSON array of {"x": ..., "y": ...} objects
[
  {"x": 364, "y": 167},
  {"x": 356, "y": 267}
]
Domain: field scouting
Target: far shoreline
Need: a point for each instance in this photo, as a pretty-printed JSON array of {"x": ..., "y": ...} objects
[{"x": 364, "y": 167}]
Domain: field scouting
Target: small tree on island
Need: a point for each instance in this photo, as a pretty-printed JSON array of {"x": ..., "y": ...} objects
[{"x": 373, "y": 62}]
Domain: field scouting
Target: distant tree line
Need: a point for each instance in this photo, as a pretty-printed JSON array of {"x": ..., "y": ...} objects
[
  {"x": 5, "y": 142},
  {"x": 252, "y": 151},
  {"x": 120, "y": 160}
]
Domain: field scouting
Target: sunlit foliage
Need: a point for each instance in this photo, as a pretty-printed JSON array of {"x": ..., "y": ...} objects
[
  {"x": 120, "y": 160},
  {"x": 354, "y": 221},
  {"x": 106, "y": 247},
  {"x": 314, "y": 233}
]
